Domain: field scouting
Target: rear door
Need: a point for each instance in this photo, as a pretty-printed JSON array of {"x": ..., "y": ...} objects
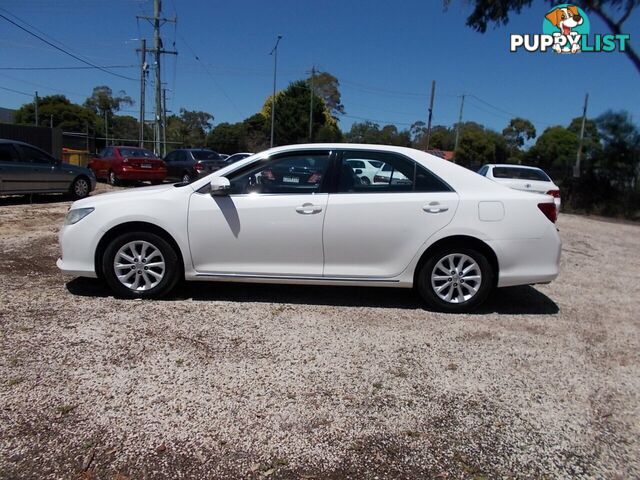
[
  {"x": 14, "y": 173},
  {"x": 375, "y": 230}
]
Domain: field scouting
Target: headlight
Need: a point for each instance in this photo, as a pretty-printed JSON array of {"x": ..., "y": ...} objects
[{"x": 74, "y": 216}]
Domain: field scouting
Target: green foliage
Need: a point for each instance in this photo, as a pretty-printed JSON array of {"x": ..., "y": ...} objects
[
  {"x": 555, "y": 151},
  {"x": 103, "y": 102},
  {"x": 124, "y": 126},
  {"x": 66, "y": 115},
  {"x": 327, "y": 87},
  {"x": 370, "y": 132},
  {"x": 190, "y": 128}
]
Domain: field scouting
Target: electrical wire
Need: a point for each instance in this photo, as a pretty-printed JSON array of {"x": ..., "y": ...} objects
[
  {"x": 67, "y": 68},
  {"x": 16, "y": 91},
  {"x": 80, "y": 59}
]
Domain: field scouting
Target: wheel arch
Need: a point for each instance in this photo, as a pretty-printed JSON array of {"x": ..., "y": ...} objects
[
  {"x": 465, "y": 241},
  {"x": 130, "y": 227}
]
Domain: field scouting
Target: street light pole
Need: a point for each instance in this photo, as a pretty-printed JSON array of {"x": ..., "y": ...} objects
[{"x": 274, "y": 52}]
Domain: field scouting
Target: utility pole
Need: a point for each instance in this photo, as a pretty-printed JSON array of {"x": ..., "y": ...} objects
[
  {"x": 35, "y": 102},
  {"x": 433, "y": 94},
  {"x": 274, "y": 53},
  {"x": 157, "y": 21},
  {"x": 313, "y": 74},
  {"x": 143, "y": 82},
  {"x": 576, "y": 167},
  {"x": 164, "y": 122},
  {"x": 106, "y": 128},
  {"x": 458, "y": 126}
]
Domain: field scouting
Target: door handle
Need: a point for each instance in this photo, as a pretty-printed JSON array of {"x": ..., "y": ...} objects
[
  {"x": 435, "y": 207},
  {"x": 308, "y": 209}
]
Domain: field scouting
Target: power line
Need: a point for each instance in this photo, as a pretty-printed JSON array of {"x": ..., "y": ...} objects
[
  {"x": 80, "y": 59},
  {"x": 16, "y": 91},
  {"x": 67, "y": 68}
]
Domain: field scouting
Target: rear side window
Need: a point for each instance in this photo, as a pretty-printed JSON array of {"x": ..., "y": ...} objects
[
  {"x": 8, "y": 153},
  {"x": 136, "y": 153},
  {"x": 520, "y": 173},
  {"x": 395, "y": 173}
]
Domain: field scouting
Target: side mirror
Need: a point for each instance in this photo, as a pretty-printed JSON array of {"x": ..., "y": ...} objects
[
  {"x": 358, "y": 171},
  {"x": 220, "y": 186}
]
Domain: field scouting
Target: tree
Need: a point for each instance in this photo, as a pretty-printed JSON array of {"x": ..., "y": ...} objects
[
  {"x": 66, "y": 115},
  {"x": 497, "y": 12},
  {"x": 370, "y": 132},
  {"x": 292, "y": 114},
  {"x": 327, "y": 87},
  {"x": 103, "y": 102},
  {"x": 125, "y": 127},
  {"x": 554, "y": 151},
  {"x": 619, "y": 158},
  {"x": 518, "y": 131}
]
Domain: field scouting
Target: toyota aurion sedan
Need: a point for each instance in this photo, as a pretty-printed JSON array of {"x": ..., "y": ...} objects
[{"x": 301, "y": 214}]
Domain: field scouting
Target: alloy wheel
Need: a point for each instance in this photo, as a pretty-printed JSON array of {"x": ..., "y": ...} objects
[
  {"x": 456, "y": 278},
  {"x": 139, "y": 265},
  {"x": 81, "y": 188}
]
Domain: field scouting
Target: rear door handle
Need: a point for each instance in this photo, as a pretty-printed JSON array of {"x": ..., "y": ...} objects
[
  {"x": 308, "y": 209},
  {"x": 435, "y": 207}
]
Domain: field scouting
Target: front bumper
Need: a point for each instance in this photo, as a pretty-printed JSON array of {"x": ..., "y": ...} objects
[{"x": 77, "y": 253}]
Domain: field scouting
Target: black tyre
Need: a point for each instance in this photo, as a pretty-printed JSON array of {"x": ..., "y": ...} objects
[
  {"x": 113, "y": 179},
  {"x": 80, "y": 188},
  {"x": 455, "y": 279},
  {"x": 140, "y": 265}
]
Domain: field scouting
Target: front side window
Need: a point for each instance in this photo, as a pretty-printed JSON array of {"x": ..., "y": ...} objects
[
  {"x": 291, "y": 174},
  {"x": 34, "y": 155},
  {"x": 395, "y": 173}
]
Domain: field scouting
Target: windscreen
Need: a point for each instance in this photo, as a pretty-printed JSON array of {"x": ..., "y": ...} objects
[{"x": 520, "y": 173}]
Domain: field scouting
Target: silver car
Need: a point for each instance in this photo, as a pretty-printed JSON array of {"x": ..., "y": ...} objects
[{"x": 27, "y": 169}]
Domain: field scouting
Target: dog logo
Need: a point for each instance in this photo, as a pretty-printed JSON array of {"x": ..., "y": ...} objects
[{"x": 567, "y": 24}]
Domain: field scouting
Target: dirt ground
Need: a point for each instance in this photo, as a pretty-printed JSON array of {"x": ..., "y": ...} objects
[{"x": 250, "y": 381}]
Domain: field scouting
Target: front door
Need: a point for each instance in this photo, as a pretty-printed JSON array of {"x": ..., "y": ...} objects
[
  {"x": 375, "y": 229},
  {"x": 45, "y": 172},
  {"x": 14, "y": 173},
  {"x": 271, "y": 222}
]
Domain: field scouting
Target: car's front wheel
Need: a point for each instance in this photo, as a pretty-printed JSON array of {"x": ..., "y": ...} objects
[
  {"x": 140, "y": 265},
  {"x": 112, "y": 178},
  {"x": 455, "y": 279}
]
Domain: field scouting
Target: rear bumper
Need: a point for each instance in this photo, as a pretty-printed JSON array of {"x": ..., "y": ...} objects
[{"x": 528, "y": 261}]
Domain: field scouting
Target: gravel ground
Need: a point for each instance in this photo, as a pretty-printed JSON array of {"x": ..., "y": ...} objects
[{"x": 251, "y": 381}]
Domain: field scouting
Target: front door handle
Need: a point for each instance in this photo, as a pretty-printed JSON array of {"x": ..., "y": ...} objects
[
  {"x": 435, "y": 207},
  {"x": 308, "y": 209}
]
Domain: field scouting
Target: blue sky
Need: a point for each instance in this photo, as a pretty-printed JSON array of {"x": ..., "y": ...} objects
[{"x": 384, "y": 53}]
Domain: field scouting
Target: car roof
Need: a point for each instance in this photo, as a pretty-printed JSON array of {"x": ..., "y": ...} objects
[{"x": 8, "y": 140}]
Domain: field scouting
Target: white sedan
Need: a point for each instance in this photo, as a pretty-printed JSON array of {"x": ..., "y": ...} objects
[
  {"x": 520, "y": 177},
  {"x": 300, "y": 214}
]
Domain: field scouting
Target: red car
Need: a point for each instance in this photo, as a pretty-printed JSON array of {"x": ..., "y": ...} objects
[{"x": 120, "y": 164}]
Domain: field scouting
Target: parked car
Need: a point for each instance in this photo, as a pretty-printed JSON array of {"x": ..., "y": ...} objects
[
  {"x": 451, "y": 234},
  {"x": 28, "y": 169},
  {"x": 124, "y": 164},
  {"x": 365, "y": 169},
  {"x": 388, "y": 174},
  {"x": 187, "y": 164},
  {"x": 520, "y": 177},
  {"x": 236, "y": 157}
]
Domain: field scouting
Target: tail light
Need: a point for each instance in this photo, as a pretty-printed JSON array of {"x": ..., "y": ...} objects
[
  {"x": 554, "y": 193},
  {"x": 199, "y": 167},
  {"x": 380, "y": 179},
  {"x": 549, "y": 210}
]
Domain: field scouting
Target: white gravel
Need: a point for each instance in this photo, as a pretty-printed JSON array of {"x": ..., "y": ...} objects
[{"x": 251, "y": 381}]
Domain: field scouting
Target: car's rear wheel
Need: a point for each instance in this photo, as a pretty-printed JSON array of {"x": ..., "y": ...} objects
[
  {"x": 80, "y": 188},
  {"x": 455, "y": 279},
  {"x": 140, "y": 265},
  {"x": 113, "y": 179}
]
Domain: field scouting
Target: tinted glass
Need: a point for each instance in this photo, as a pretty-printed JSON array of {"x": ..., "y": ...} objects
[
  {"x": 291, "y": 174},
  {"x": 107, "y": 152},
  {"x": 236, "y": 157},
  {"x": 520, "y": 173},
  {"x": 483, "y": 171},
  {"x": 8, "y": 153},
  {"x": 171, "y": 157},
  {"x": 205, "y": 155},
  {"x": 34, "y": 155},
  {"x": 136, "y": 153},
  {"x": 396, "y": 174}
]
